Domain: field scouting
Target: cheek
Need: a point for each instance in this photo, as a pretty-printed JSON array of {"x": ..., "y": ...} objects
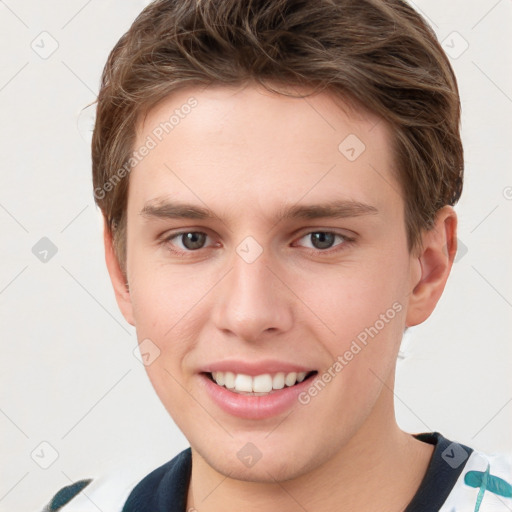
[
  {"x": 163, "y": 296},
  {"x": 170, "y": 307},
  {"x": 362, "y": 312},
  {"x": 166, "y": 310},
  {"x": 348, "y": 300}
]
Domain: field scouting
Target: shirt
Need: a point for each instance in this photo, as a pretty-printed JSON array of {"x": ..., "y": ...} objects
[{"x": 458, "y": 479}]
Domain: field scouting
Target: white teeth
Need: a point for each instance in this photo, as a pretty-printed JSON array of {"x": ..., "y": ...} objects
[
  {"x": 243, "y": 383},
  {"x": 264, "y": 383},
  {"x": 291, "y": 379},
  {"x": 278, "y": 381},
  {"x": 229, "y": 379}
]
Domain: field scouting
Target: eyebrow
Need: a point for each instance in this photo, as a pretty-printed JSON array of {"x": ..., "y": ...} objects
[{"x": 337, "y": 209}]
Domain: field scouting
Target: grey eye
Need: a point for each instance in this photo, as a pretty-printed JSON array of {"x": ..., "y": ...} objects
[
  {"x": 322, "y": 239},
  {"x": 193, "y": 240}
]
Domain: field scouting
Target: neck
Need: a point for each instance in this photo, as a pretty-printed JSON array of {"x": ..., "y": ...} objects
[{"x": 379, "y": 469}]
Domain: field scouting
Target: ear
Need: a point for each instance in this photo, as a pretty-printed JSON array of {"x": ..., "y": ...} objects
[
  {"x": 435, "y": 260},
  {"x": 117, "y": 277}
]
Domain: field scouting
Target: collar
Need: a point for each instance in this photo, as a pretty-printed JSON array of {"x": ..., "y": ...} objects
[{"x": 165, "y": 489}]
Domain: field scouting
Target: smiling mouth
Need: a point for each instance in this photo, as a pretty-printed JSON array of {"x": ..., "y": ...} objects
[{"x": 258, "y": 385}]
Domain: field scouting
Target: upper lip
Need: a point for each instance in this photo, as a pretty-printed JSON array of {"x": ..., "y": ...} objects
[{"x": 253, "y": 368}]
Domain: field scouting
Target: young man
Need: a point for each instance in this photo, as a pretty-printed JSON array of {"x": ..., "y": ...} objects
[{"x": 277, "y": 181}]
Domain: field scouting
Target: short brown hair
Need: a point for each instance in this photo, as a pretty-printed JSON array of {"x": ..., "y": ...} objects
[{"x": 379, "y": 53}]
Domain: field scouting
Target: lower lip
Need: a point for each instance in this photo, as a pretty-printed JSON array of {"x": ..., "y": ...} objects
[{"x": 254, "y": 407}]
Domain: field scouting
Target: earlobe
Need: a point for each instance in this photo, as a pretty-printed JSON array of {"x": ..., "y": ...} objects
[
  {"x": 118, "y": 279},
  {"x": 435, "y": 260}
]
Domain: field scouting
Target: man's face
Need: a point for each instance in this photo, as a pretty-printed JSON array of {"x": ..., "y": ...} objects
[{"x": 250, "y": 291}]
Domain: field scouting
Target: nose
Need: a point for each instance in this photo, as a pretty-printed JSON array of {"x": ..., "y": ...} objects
[{"x": 252, "y": 301}]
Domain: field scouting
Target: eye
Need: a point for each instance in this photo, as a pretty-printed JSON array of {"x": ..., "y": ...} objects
[
  {"x": 320, "y": 241},
  {"x": 324, "y": 240},
  {"x": 190, "y": 241}
]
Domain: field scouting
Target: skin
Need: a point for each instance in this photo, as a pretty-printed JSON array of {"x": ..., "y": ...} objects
[{"x": 244, "y": 153}]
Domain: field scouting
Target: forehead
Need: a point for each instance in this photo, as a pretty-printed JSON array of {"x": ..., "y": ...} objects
[{"x": 247, "y": 144}]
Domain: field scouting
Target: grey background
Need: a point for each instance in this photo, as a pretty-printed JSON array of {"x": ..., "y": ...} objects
[{"x": 68, "y": 374}]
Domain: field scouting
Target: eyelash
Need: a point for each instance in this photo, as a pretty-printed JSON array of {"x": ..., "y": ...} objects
[{"x": 347, "y": 241}]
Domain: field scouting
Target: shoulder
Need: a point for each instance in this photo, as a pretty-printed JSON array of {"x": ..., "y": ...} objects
[
  {"x": 107, "y": 492},
  {"x": 166, "y": 484},
  {"x": 66, "y": 494},
  {"x": 485, "y": 484},
  {"x": 121, "y": 489}
]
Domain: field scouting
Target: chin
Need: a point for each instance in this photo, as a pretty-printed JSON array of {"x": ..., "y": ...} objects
[{"x": 262, "y": 460}]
